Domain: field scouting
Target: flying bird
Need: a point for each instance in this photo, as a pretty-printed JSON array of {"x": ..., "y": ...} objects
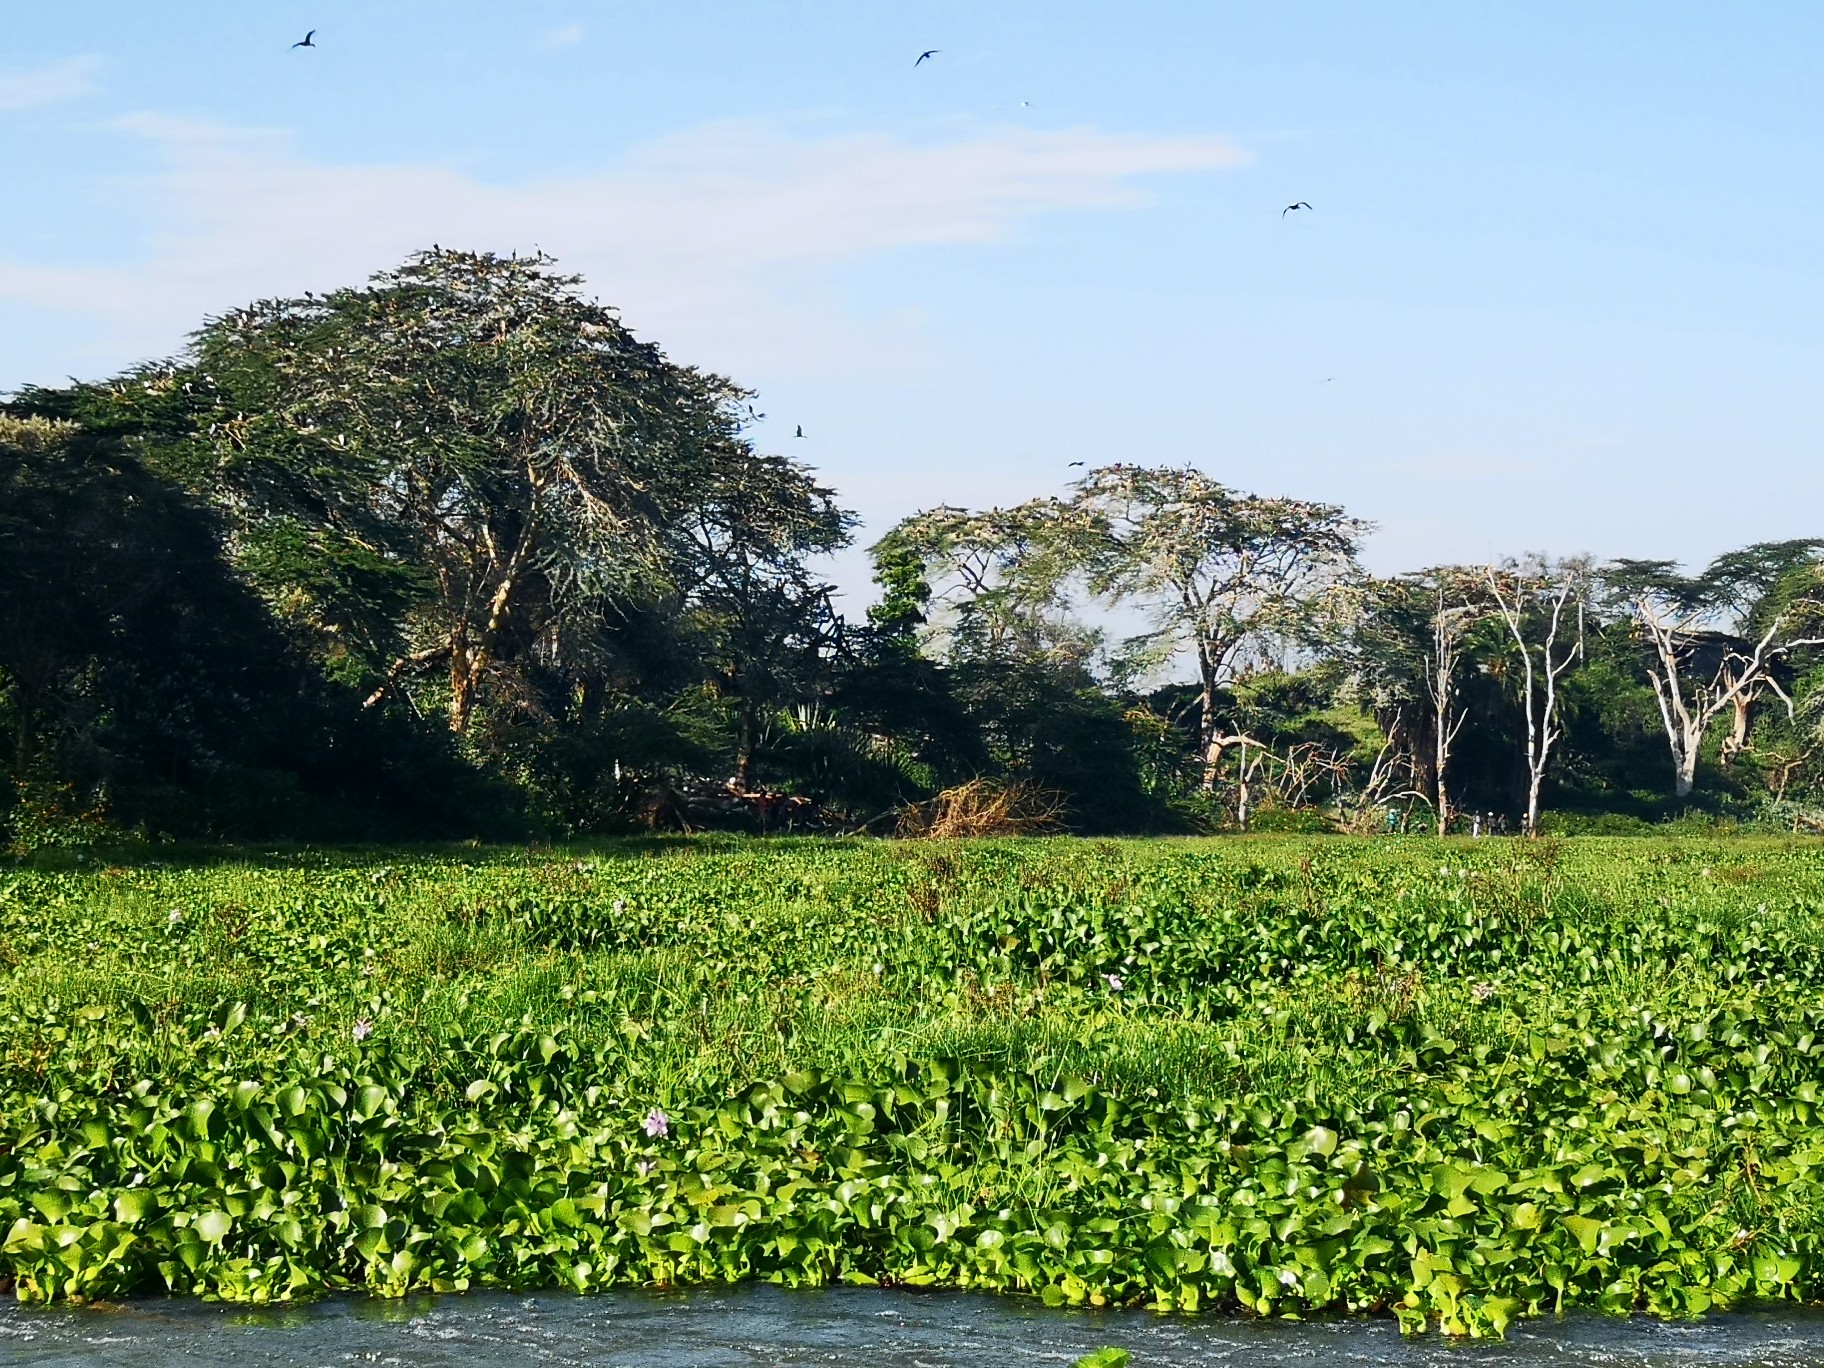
[
  {"x": 929, "y": 52},
  {"x": 800, "y": 431},
  {"x": 306, "y": 40},
  {"x": 1290, "y": 207},
  {"x": 1076, "y": 463}
]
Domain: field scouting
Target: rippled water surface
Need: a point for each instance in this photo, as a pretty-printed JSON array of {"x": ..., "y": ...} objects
[{"x": 764, "y": 1326}]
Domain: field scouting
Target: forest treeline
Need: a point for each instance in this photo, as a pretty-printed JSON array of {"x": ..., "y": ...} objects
[{"x": 454, "y": 554}]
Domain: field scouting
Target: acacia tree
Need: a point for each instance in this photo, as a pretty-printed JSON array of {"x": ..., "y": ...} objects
[
  {"x": 1221, "y": 573},
  {"x": 997, "y": 581},
  {"x": 1698, "y": 672},
  {"x": 762, "y": 621},
  {"x": 1541, "y": 604},
  {"x": 469, "y": 432}
]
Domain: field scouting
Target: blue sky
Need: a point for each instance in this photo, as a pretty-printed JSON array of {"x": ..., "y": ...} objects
[{"x": 1560, "y": 289}]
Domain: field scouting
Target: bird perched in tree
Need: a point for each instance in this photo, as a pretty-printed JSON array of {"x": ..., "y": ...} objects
[
  {"x": 800, "y": 431},
  {"x": 306, "y": 40},
  {"x": 1290, "y": 207},
  {"x": 929, "y": 52}
]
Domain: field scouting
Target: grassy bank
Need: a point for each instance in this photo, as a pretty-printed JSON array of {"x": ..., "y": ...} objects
[{"x": 1458, "y": 1080}]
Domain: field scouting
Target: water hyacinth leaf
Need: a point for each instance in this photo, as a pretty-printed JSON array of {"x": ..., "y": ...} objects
[
  {"x": 1247, "y": 1141},
  {"x": 135, "y": 1204}
]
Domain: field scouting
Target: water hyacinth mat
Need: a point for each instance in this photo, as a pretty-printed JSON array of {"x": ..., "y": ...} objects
[{"x": 1452, "y": 1083}]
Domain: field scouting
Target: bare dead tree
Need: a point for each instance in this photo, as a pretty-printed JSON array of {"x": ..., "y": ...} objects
[
  {"x": 1450, "y": 623},
  {"x": 1542, "y": 606},
  {"x": 1247, "y": 767},
  {"x": 1689, "y": 702}
]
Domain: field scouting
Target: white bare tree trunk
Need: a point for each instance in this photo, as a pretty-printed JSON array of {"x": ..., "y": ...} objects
[
  {"x": 1447, "y": 626},
  {"x": 1688, "y": 709},
  {"x": 1553, "y": 591}
]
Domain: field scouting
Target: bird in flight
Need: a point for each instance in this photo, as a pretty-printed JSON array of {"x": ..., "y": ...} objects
[
  {"x": 1290, "y": 207},
  {"x": 306, "y": 40},
  {"x": 1076, "y": 463},
  {"x": 929, "y": 52},
  {"x": 800, "y": 431}
]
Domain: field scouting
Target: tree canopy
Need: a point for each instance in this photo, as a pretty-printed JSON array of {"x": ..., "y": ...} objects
[{"x": 454, "y": 551}]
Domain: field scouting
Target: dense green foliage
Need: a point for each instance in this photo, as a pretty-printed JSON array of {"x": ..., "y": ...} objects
[
  {"x": 454, "y": 554},
  {"x": 1458, "y": 1080}
]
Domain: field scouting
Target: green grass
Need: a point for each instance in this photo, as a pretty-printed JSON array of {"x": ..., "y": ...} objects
[{"x": 1461, "y": 1080}]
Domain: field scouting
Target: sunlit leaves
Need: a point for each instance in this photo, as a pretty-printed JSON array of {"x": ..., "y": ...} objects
[{"x": 1296, "y": 1099}]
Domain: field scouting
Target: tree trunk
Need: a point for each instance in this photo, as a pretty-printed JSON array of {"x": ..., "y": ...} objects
[
  {"x": 1210, "y": 743},
  {"x": 462, "y": 686},
  {"x": 744, "y": 749},
  {"x": 1737, "y": 741},
  {"x": 1443, "y": 788},
  {"x": 1685, "y": 768}
]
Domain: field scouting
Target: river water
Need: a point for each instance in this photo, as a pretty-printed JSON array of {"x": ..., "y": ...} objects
[{"x": 762, "y": 1326}]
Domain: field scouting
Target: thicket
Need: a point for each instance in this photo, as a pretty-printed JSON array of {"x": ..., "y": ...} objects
[
  {"x": 1454, "y": 1081},
  {"x": 455, "y": 554}
]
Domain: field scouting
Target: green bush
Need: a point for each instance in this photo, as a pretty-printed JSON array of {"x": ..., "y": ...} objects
[{"x": 1291, "y": 821}]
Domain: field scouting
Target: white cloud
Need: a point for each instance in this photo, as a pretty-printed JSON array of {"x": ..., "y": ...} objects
[
  {"x": 720, "y": 242},
  {"x": 65, "y": 80},
  {"x": 563, "y": 36}
]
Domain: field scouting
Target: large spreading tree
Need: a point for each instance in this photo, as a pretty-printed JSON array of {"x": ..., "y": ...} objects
[
  {"x": 1223, "y": 575},
  {"x": 450, "y": 471}
]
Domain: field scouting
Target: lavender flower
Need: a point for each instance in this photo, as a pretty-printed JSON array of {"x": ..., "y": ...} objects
[
  {"x": 658, "y": 1125},
  {"x": 363, "y": 1028},
  {"x": 645, "y": 1166},
  {"x": 1113, "y": 981}
]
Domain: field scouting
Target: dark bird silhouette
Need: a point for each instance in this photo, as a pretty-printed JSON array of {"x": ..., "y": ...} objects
[
  {"x": 930, "y": 52},
  {"x": 1076, "y": 463},
  {"x": 1290, "y": 207},
  {"x": 306, "y": 40},
  {"x": 800, "y": 431}
]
